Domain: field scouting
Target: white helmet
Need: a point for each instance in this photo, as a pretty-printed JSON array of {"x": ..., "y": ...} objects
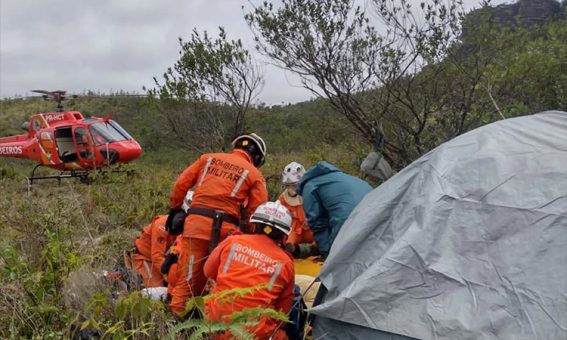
[
  {"x": 273, "y": 214},
  {"x": 254, "y": 145},
  {"x": 187, "y": 201},
  {"x": 292, "y": 173}
]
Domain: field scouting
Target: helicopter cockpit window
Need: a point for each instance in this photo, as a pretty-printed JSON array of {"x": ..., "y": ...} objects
[
  {"x": 121, "y": 130},
  {"x": 107, "y": 132},
  {"x": 81, "y": 137}
]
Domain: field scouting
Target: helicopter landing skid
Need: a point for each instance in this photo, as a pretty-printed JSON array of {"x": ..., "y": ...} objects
[{"x": 83, "y": 175}]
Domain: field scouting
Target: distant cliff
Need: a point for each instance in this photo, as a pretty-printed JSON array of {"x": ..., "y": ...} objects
[{"x": 523, "y": 13}]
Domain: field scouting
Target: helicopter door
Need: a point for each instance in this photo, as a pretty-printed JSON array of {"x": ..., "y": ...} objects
[
  {"x": 83, "y": 145},
  {"x": 48, "y": 149}
]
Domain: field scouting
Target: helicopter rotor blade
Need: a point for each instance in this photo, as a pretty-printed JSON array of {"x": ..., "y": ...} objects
[
  {"x": 42, "y": 92},
  {"x": 47, "y": 94},
  {"x": 51, "y": 93}
]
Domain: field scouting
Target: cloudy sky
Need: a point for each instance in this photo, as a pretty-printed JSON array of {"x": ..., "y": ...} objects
[{"x": 111, "y": 45}]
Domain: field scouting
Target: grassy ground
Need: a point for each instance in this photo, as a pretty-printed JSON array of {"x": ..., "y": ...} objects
[{"x": 50, "y": 231}]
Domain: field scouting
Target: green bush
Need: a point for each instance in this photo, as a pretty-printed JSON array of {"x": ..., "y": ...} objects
[{"x": 238, "y": 323}]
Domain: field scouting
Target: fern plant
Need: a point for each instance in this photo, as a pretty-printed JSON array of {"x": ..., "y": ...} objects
[
  {"x": 131, "y": 316},
  {"x": 238, "y": 323}
]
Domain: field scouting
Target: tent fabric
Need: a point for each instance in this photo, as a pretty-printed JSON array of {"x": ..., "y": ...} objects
[
  {"x": 337, "y": 330},
  {"x": 467, "y": 242}
]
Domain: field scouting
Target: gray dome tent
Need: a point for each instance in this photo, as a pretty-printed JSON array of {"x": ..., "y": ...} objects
[{"x": 467, "y": 242}]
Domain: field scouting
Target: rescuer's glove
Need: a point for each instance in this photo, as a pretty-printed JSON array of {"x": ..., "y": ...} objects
[
  {"x": 175, "y": 221},
  {"x": 169, "y": 260}
]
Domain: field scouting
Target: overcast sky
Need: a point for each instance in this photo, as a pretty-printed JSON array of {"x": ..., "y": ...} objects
[{"x": 111, "y": 45}]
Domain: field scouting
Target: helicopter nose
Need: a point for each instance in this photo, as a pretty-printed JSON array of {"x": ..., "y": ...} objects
[
  {"x": 131, "y": 152},
  {"x": 128, "y": 151}
]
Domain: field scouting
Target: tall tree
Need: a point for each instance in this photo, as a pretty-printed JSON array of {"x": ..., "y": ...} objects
[
  {"x": 207, "y": 93},
  {"x": 339, "y": 55},
  {"x": 329, "y": 44}
]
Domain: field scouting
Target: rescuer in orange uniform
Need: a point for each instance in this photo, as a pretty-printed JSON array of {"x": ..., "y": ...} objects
[
  {"x": 221, "y": 182},
  {"x": 300, "y": 241},
  {"x": 255, "y": 260},
  {"x": 150, "y": 251},
  {"x": 151, "y": 248}
]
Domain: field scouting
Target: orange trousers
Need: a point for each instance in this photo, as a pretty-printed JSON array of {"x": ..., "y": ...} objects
[
  {"x": 190, "y": 278},
  {"x": 171, "y": 278},
  {"x": 150, "y": 274}
]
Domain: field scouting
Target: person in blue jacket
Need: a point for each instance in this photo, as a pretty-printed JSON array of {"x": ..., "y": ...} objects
[{"x": 329, "y": 196}]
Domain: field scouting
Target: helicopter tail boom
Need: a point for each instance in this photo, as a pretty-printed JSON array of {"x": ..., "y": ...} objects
[{"x": 14, "y": 146}]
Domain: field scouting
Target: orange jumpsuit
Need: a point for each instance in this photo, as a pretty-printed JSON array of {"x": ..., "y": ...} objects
[
  {"x": 300, "y": 232},
  {"x": 221, "y": 181},
  {"x": 243, "y": 261},
  {"x": 151, "y": 247},
  {"x": 172, "y": 273}
]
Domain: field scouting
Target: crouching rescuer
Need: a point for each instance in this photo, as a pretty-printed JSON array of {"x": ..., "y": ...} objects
[
  {"x": 254, "y": 260},
  {"x": 149, "y": 251},
  {"x": 222, "y": 182},
  {"x": 151, "y": 247}
]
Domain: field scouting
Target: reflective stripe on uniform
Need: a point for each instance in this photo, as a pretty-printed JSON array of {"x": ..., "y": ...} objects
[
  {"x": 239, "y": 183},
  {"x": 230, "y": 256},
  {"x": 190, "y": 274},
  {"x": 209, "y": 160},
  {"x": 148, "y": 271},
  {"x": 275, "y": 275}
]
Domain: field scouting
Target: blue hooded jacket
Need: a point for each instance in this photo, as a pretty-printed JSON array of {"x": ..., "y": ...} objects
[{"x": 329, "y": 196}]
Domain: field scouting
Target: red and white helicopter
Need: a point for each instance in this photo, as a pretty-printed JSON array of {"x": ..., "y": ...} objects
[{"x": 67, "y": 141}]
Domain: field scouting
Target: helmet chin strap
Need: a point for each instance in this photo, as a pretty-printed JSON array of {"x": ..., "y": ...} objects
[{"x": 294, "y": 193}]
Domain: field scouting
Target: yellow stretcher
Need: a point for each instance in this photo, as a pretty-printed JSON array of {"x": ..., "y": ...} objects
[
  {"x": 307, "y": 266},
  {"x": 305, "y": 272}
]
